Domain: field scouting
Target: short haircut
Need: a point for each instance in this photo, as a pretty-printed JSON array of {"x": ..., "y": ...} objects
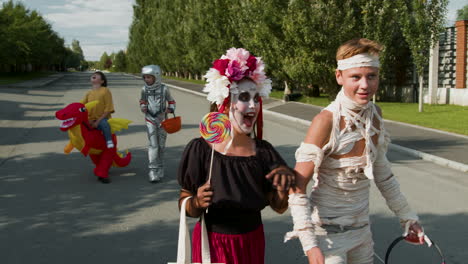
[{"x": 358, "y": 46}]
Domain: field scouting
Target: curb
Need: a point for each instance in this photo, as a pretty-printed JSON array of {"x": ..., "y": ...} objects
[
  {"x": 50, "y": 81},
  {"x": 19, "y": 85},
  {"x": 403, "y": 124},
  {"x": 412, "y": 152}
]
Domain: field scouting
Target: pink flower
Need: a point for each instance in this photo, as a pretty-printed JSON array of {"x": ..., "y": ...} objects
[
  {"x": 221, "y": 65},
  {"x": 234, "y": 71},
  {"x": 251, "y": 63},
  {"x": 241, "y": 55},
  {"x": 258, "y": 75}
]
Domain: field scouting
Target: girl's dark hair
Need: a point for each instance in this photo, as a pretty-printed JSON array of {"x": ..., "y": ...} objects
[{"x": 103, "y": 77}]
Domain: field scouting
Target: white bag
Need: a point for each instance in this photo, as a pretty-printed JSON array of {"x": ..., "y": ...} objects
[{"x": 184, "y": 248}]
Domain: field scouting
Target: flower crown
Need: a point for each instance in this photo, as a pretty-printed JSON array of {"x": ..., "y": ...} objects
[{"x": 237, "y": 64}]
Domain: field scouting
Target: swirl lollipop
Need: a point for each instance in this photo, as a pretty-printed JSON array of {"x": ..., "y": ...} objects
[{"x": 215, "y": 127}]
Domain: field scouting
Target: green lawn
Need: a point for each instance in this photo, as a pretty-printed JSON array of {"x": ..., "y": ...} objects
[
  {"x": 451, "y": 118},
  {"x": 320, "y": 101},
  {"x": 10, "y": 78}
]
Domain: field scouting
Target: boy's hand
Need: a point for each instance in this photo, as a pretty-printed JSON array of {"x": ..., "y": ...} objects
[{"x": 315, "y": 256}]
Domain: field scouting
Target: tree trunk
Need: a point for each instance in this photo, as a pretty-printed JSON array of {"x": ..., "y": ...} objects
[{"x": 421, "y": 80}]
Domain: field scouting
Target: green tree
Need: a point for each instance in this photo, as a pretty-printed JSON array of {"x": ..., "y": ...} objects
[
  {"x": 462, "y": 14},
  {"x": 314, "y": 31},
  {"x": 422, "y": 21},
  {"x": 120, "y": 62},
  {"x": 28, "y": 41},
  {"x": 105, "y": 62},
  {"x": 379, "y": 24}
]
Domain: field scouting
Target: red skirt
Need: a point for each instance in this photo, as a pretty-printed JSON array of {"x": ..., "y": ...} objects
[{"x": 248, "y": 248}]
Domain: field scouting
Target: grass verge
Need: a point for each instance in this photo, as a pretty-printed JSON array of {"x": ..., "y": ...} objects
[{"x": 11, "y": 78}]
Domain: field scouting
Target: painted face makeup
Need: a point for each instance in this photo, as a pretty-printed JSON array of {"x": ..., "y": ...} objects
[{"x": 245, "y": 106}]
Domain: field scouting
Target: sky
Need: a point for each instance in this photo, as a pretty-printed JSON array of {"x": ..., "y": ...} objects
[{"x": 102, "y": 25}]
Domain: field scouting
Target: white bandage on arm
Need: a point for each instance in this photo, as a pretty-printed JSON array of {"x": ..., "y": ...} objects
[
  {"x": 302, "y": 218},
  {"x": 390, "y": 188},
  {"x": 310, "y": 153}
]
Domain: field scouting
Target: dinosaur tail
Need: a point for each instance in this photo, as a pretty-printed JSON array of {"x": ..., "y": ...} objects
[{"x": 122, "y": 160}]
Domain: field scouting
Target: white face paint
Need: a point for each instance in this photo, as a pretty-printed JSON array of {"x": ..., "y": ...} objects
[{"x": 245, "y": 106}]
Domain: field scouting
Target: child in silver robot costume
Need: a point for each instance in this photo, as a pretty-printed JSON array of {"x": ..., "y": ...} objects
[{"x": 155, "y": 102}]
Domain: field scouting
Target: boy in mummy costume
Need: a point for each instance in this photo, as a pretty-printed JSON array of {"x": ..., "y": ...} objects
[{"x": 344, "y": 149}]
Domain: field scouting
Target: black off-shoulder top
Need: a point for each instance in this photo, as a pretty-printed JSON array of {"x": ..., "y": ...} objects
[{"x": 239, "y": 184}]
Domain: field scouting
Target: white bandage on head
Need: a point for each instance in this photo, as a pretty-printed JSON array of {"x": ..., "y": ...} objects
[
  {"x": 359, "y": 60},
  {"x": 299, "y": 205}
]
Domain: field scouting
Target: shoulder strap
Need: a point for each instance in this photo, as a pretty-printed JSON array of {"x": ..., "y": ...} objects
[{"x": 184, "y": 252}]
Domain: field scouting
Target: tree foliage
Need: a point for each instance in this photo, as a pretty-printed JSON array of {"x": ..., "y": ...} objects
[
  {"x": 28, "y": 42},
  {"x": 297, "y": 39}
]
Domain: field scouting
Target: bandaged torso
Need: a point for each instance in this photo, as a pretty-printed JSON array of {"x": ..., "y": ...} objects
[{"x": 340, "y": 195}]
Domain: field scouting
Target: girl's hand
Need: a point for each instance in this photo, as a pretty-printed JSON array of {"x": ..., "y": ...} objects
[
  {"x": 282, "y": 178},
  {"x": 204, "y": 196},
  {"x": 315, "y": 256}
]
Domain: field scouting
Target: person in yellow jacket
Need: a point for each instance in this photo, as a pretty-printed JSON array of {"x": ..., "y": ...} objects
[{"x": 98, "y": 116}]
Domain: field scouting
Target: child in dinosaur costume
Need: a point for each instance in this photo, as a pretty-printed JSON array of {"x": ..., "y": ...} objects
[{"x": 91, "y": 141}]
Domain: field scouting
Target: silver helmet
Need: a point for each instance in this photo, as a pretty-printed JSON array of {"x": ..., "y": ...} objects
[{"x": 155, "y": 71}]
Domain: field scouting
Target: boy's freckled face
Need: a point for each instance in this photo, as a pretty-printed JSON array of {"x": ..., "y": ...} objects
[{"x": 149, "y": 79}]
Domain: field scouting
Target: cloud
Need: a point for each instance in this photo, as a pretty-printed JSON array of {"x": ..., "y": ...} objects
[
  {"x": 80, "y": 13},
  {"x": 100, "y": 25}
]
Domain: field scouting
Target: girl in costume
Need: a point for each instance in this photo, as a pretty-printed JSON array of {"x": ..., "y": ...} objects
[
  {"x": 343, "y": 151},
  {"x": 248, "y": 174},
  {"x": 101, "y": 112}
]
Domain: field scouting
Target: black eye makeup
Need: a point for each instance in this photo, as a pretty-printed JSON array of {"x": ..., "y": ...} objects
[{"x": 245, "y": 97}]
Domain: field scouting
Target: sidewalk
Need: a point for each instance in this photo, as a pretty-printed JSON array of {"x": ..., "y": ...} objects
[
  {"x": 443, "y": 147},
  {"x": 39, "y": 82}
]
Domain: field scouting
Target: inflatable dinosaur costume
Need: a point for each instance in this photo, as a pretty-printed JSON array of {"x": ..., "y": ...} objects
[{"x": 90, "y": 141}]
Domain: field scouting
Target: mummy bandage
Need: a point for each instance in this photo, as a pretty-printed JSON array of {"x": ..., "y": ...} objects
[
  {"x": 299, "y": 205},
  {"x": 311, "y": 153},
  {"x": 389, "y": 187},
  {"x": 359, "y": 60}
]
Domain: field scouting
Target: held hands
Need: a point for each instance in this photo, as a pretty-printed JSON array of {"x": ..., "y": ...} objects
[
  {"x": 315, "y": 256},
  {"x": 204, "y": 196},
  {"x": 282, "y": 178}
]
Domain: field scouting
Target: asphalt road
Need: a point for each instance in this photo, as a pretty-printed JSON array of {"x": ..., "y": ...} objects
[{"x": 52, "y": 209}]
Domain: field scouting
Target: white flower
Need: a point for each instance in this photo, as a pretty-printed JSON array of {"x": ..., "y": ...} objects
[
  {"x": 216, "y": 87},
  {"x": 265, "y": 89}
]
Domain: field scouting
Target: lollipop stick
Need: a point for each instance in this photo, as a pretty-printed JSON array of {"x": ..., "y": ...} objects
[
  {"x": 211, "y": 168},
  {"x": 211, "y": 165}
]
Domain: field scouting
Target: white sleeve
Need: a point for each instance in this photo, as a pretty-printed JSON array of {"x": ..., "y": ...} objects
[
  {"x": 388, "y": 185},
  {"x": 299, "y": 205},
  {"x": 311, "y": 153}
]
